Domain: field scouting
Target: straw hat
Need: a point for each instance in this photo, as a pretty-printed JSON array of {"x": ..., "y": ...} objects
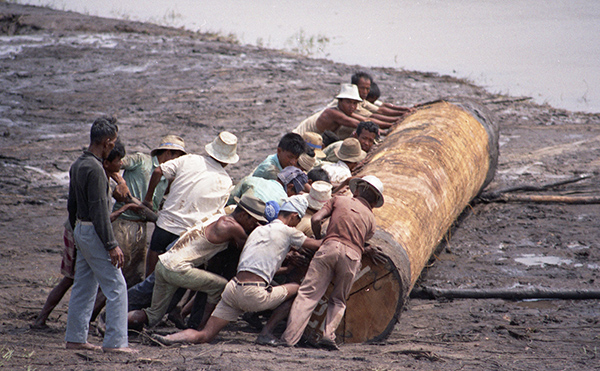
[
  {"x": 373, "y": 182},
  {"x": 320, "y": 193},
  {"x": 314, "y": 141},
  {"x": 350, "y": 151},
  {"x": 349, "y": 91},
  {"x": 223, "y": 148},
  {"x": 172, "y": 142},
  {"x": 253, "y": 206},
  {"x": 295, "y": 204},
  {"x": 306, "y": 162}
]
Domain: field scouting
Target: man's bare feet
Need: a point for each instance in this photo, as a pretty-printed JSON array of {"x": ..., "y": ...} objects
[
  {"x": 82, "y": 346},
  {"x": 120, "y": 350}
]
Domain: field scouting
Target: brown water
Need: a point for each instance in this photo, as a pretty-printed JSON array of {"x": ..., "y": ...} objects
[{"x": 547, "y": 50}]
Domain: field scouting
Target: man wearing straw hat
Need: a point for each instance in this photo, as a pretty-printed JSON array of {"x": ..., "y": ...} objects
[
  {"x": 178, "y": 267},
  {"x": 338, "y": 260},
  {"x": 200, "y": 187},
  {"x": 349, "y": 154},
  {"x": 130, "y": 228},
  {"x": 334, "y": 118},
  {"x": 340, "y": 118},
  {"x": 250, "y": 290},
  {"x": 366, "y": 133}
]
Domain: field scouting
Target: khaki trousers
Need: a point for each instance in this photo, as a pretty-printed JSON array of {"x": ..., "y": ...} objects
[{"x": 333, "y": 262}]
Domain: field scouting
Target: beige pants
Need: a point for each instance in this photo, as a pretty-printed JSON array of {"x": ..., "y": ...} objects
[
  {"x": 333, "y": 262},
  {"x": 132, "y": 239}
]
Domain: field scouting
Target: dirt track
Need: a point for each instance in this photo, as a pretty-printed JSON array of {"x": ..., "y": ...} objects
[{"x": 59, "y": 71}]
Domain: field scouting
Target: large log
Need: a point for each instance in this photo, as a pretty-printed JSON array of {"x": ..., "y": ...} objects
[{"x": 432, "y": 165}]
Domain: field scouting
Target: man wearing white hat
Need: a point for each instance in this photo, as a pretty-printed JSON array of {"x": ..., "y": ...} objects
[
  {"x": 338, "y": 117},
  {"x": 320, "y": 193},
  {"x": 338, "y": 260},
  {"x": 250, "y": 290},
  {"x": 200, "y": 187}
]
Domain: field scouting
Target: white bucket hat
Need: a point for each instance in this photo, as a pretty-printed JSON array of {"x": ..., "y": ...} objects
[
  {"x": 373, "y": 182},
  {"x": 306, "y": 162},
  {"x": 223, "y": 148},
  {"x": 295, "y": 204},
  {"x": 349, "y": 91},
  {"x": 320, "y": 193}
]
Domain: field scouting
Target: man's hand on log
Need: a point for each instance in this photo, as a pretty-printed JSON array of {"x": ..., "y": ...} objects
[{"x": 376, "y": 254}]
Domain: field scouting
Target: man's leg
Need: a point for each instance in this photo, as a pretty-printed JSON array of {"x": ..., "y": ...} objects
[
  {"x": 83, "y": 294},
  {"x": 112, "y": 284},
  {"x": 140, "y": 295},
  {"x": 346, "y": 269},
  {"x": 320, "y": 273},
  {"x": 131, "y": 236},
  {"x": 54, "y": 297},
  {"x": 161, "y": 296},
  {"x": 212, "y": 328}
]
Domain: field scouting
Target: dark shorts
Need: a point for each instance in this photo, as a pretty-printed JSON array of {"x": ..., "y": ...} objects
[{"x": 161, "y": 239}]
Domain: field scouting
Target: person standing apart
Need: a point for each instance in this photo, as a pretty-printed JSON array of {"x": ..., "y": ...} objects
[{"x": 99, "y": 258}]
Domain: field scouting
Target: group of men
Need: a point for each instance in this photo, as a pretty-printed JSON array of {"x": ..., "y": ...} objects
[{"x": 280, "y": 228}]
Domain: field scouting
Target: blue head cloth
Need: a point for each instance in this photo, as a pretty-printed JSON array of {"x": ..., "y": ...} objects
[{"x": 271, "y": 211}]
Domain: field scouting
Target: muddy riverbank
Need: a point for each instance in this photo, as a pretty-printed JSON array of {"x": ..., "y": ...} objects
[{"x": 60, "y": 70}]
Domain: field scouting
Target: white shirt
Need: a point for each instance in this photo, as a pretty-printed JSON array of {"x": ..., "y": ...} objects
[
  {"x": 199, "y": 189},
  {"x": 337, "y": 172},
  {"x": 266, "y": 248}
]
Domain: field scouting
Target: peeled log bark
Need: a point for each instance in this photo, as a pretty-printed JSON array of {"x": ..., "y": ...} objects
[{"x": 432, "y": 165}]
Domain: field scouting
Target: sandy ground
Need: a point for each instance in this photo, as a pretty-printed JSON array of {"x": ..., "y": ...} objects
[{"x": 59, "y": 71}]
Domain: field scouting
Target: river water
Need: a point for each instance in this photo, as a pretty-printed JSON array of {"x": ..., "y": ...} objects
[{"x": 545, "y": 49}]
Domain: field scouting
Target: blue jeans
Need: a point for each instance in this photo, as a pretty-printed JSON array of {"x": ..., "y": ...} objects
[{"x": 92, "y": 268}]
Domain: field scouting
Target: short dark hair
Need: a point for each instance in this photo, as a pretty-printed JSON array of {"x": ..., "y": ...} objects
[
  {"x": 285, "y": 213},
  {"x": 117, "y": 152},
  {"x": 292, "y": 142},
  {"x": 368, "y": 194},
  {"x": 374, "y": 93},
  {"x": 360, "y": 75},
  {"x": 368, "y": 126},
  {"x": 102, "y": 128},
  {"x": 318, "y": 174}
]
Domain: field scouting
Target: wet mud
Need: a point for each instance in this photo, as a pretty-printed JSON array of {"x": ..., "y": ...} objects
[{"x": 61, "y": 70}]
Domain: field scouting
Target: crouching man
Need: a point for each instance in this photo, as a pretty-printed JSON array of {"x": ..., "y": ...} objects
[
  {"x": 250, "y": 289},
  {"x": 177, "y": 267}
]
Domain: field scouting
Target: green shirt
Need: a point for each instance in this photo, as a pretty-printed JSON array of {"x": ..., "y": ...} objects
[
  {"x": 269, "y": 168},
  {"x": 265, "y": 189},
  {"x": 137, "y": 170}
]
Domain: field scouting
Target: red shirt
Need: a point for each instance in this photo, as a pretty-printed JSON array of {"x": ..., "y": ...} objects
[{"x": 352, "y": 221}]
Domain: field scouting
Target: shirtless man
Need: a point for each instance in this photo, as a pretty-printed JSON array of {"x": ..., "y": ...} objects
[
  {"x": 250, "y": 290},
  {"x": 386, "y": 111},
  {"x": 177, "y": 267},
  {"x": 340, "y": 119}
]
